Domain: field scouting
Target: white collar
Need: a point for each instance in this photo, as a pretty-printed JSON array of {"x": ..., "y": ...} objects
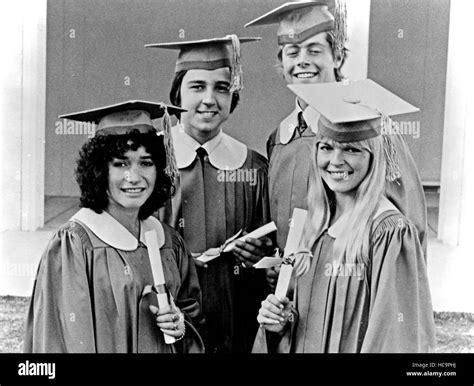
[
  {"x": 225, "y": 152},
  {"x": 111, "y": 232},
  {"x": 336, "y": 229},
  {"x": 290, "y": 123}
]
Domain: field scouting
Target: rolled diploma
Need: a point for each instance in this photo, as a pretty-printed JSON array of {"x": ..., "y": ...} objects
[
  {"x": 157, "y": 272},
  {"x": 256, "y": 234},
  {"x": 292, "y": 243}
]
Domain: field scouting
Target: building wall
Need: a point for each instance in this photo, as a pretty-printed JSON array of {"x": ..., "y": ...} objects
[
  {"x": 408, "y": 54},
  {"x": 22, "y": 114},
  {"x": 10, "y": 134},
  {"x": 96, "y": 57}
]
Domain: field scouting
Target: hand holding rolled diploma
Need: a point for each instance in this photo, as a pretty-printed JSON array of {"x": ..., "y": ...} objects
[
  {"x": 247, "y": 248},
  {"x": 274, "y": 314},
  {"x": 292, "y": 243},
  {"x": 256, "y": 234},
  {"x": 159, "y": 281},
  {"x": 169, "y": 319}
]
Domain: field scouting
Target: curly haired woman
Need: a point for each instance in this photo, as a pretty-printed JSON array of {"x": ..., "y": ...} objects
[{"x": 93, "y": 289}]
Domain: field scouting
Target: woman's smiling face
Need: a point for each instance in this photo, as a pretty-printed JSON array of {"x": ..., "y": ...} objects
[
  {"x": 342, "y": 166},
  {"x": 132, "y": 179}
]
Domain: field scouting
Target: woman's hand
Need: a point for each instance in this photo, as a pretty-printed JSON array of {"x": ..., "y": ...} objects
[
  {"x": 170, "y": 320},
  {"x": 252, "y": 250},
  {"x": 274, "y": 314}
]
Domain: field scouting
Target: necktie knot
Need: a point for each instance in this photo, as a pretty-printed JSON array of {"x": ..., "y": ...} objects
[
  {"x": 302, "y": 126},
  {"x": 202, "y": 153}
]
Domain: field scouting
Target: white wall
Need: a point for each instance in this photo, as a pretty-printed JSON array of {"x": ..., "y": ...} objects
[
  {"x": 358, "y": 22},
  {"x": 457, "y": 174},
  {"x": 22, "y": 114}
]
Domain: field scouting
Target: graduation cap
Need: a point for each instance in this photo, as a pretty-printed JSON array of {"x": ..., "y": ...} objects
[
  {"x": 300, "y": 20},
  {"x": 354, "y": 111},
  {"x": 125, "y": 117},
  {"x": 210, "y": 54}
]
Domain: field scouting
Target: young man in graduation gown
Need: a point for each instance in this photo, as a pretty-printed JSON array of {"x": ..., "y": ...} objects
[
  {"x": 222, "y": 189},
  {"x": 312, "y": 50}
]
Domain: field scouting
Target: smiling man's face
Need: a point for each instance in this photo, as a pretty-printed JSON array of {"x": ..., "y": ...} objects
[
  {"x": 310, "y": 61},
  {"x": 205, "y": 94}
]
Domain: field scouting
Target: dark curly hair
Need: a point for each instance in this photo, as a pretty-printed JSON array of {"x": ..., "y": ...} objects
[
  {"x": 175, "y": 92},
  {"x": 92, "y": 172}
]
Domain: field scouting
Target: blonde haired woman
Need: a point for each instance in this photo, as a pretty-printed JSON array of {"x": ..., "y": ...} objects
[{"x": 365, "y": 289}]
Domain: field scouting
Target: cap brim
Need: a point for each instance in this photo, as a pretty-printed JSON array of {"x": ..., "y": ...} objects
[
  {"x": 361, "y": 100},
  {"x": 274, "y": 15},
  {"x": 156, "y": 110},
  {"x": 180, "y": 44}
]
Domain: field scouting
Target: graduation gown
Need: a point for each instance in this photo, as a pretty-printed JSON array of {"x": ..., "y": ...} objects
[
  {"x": 89, "y": 294},
  {"x": 290, "y": 157},
  {"x": 344, "y": 309},
  {"x": 214, "y": 199}
]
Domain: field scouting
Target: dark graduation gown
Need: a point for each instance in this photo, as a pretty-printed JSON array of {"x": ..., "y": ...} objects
[
  {"x": 89, "y": 297},
  {"x": 384, "y": 309},
  {"x": 209, "y": 210},
  {"x": 290, "y": 156}
]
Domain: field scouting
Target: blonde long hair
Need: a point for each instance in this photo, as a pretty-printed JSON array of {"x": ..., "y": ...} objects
[{"x": 353, "y": 244}]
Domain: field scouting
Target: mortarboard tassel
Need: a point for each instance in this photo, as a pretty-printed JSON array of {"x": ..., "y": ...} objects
[
  {"x": 340, "y": 25},
  {"x": 236, "y": 70},
  {"x": 393, "y": 170},
  {"x": 171, "y": 169}
]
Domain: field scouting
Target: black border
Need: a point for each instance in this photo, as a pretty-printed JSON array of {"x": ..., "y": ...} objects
[{"x": 239, "y": 369}]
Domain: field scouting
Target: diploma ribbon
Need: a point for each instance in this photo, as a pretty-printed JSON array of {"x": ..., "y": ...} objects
[
  {"x": 290, "y": 259},
  {"x": 160, "y": 289},
  {"x": 277, "y": 259}
]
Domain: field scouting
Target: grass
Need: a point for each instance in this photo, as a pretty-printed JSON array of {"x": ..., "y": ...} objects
[
  {"x": 454, "y": 330},
  {"x": 12, "y": 323}
]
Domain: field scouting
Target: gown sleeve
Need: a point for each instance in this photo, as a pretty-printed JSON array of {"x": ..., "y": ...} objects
[
  {"x": 60, "y": 313},
  {"x": 188, "y": 298},
  {"x": 262, "y": 200},
  {"x": 269, "y": 342},
  {"x": 401, "y": 314},
  {"x": 271, "y": 143},
  {"x": 189, "y": 295}
]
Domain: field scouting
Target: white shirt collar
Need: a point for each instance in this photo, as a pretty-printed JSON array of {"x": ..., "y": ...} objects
[
  {"x": 111, "y": 232},
  {"x": 290, "y": 123},
  {"x": 225, "y": 152},
  {"x": 336, "y": 229}
]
